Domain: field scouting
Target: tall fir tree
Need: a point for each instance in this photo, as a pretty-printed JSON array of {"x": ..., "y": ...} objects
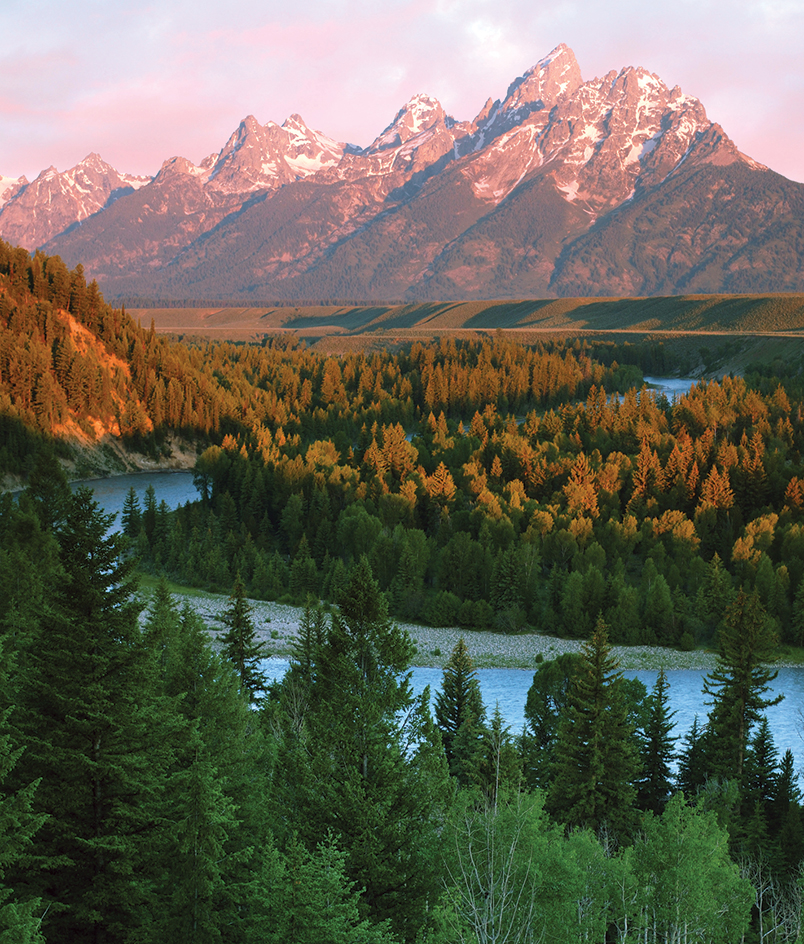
[
  {"x": 97, "y": 737},
  {"x": 459, "y": 701},
  {"x": 692, "y": 769},
  {"x": 738, "y": 684},
  {"x": 240, "y": 644},
  {"x": 361, "y": 757},
  {"x": 214, "y": 799},
  {"x": 658, "y": 754},
  {"x": 20, "y": 918},
  {"x": 596, "y": 758}
]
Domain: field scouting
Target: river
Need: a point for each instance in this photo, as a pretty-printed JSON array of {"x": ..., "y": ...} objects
[
  {"x": 508, "y": 688},
  {"x": 174, "y": 488}
]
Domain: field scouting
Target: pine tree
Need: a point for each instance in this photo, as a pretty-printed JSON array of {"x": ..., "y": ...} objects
[
  {"x": 459, "y": 700},
  {"x": 97, "y": 735},
  {"x": 657, "y": 750},
  {"x": 319, "y": 903},
  {"x": 240, "y": 644},
  {"x": 131, "y": 518},
  {"x": 214, "y": 796},
  {"x": 596, "y": 759},
  {"x": 738, "y": 683},
  {"x": 20, "y": 920},
  {"x": 307, "y": 645},
  {"x": 361, "y": 756},
  {"x": 692, "y": 761},
  {"x": 786, "y": 826},
  {"x": 499, "y": 768}
]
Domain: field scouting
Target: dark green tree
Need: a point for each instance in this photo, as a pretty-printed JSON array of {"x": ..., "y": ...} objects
[
  {"x": 738, "y": 684},
  {"x": 692, "y": 761},
  {"x": 131, "y": 517},
  {"x": 213, "y": 866},
  {"x": 306, "y": 646},
  {"x": 499, "y": 767},
  {"x": 655, "y": 784},
  {"x": 459, "y": 700},
  {"x": 360, "y": 755},
  {"x": 240, "y": 645},
  {"x": 597, "y": 762},
  {"x": 318, "y": 902},
  {"x": 20, "y": 919},
  {"x": 786, "y": 824},
  {"x": 96, "y": 736},
  {"x": 546, "y": 699}
]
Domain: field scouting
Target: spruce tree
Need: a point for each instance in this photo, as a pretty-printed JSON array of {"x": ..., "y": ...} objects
[
  {"x": 692, "y": 761},
  {"x": 499, "y": 768},
  {"x": 20, "y": 918},
  {"x": 786, "y": 826},
  {"x": 361, "y": 756},
  {"x": 240, "y": 643},
  {"x": 738, "y": 684},
  {"x": 596, "y": 758},
  {"x": 131, "y": 517},
  {"x": 657, "y": 750},
  {"x": 459, "y": 700},
  {"x": 98, "y": 738},
  {"x": 210, "y": 875}
]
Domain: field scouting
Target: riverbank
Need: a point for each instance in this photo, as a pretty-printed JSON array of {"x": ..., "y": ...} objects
[
  {"x": 109, "y": 458},
  {"x": 277, "y": 626}
]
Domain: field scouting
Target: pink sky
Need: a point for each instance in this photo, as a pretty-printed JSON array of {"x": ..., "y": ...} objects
[{"x": 141, "y": 82}]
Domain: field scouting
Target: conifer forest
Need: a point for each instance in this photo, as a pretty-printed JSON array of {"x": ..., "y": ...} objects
[{"x": 154, "y": 788}]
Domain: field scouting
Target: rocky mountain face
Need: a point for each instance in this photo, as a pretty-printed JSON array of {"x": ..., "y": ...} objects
[{"x": 615, "y": 186}]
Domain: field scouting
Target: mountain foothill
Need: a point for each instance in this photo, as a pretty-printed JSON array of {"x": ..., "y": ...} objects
[{"x": 614, "y": 186}]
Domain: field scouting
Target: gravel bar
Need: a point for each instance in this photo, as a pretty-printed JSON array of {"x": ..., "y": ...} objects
[{"x": 277, "y": 626}]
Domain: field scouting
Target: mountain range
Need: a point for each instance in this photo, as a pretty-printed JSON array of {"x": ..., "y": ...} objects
[{"x": 618, "y": 186}]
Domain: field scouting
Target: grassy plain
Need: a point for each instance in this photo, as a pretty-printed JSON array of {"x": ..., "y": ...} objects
[{"x": 713, "y": 334}]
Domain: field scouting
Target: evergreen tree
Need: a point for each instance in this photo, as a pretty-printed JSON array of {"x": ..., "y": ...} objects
[
  {"x": 212, "y": 869},
  {"x": 692, "y": 761},
  {"x": 97, "y": 737},
  {"x": 20, "y": 920},
  {"x": 546, "y": 700},
  {"x": 499, "y": 767},
  {"x": 459, "y": 700},
  {"x": 318, "y": 901},
  {"x": 307, "y": 645},
  {"x": 506, "y": 580},
  {"x": 596, "y": 759},
  {"x": 738, "y": 683},
  {"x": 786, "y": 824},
  {"x": 240, "y": 645},
  {"x": 657, "y": 750},
  {"x": 131, "y": 518},
  {"x": 361, "y": 756}
]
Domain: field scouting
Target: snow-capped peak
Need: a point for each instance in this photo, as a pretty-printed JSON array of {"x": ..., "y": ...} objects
[
  {"x": 10, "y": 186},
  {"x": 419, "y": 114},
  {"x": 553, "y": 78}
]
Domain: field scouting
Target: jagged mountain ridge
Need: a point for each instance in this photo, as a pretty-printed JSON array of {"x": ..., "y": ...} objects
[{"x": 617, "y": 185}]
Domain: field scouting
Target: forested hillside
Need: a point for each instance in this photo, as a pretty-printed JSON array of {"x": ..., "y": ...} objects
[
  {"x": 489, "y": 483},
  {"x": 153, "y": 790}
]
